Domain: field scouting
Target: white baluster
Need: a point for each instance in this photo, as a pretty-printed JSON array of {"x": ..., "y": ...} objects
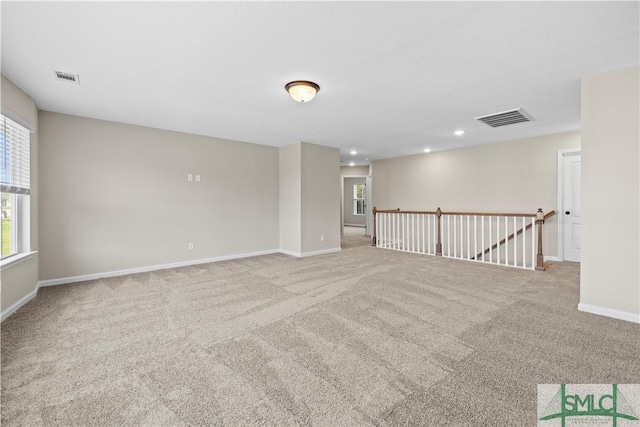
[
  {"x": 407, "y": 245},
  {"x": 490, "y": 240},
  {"x": 413, "y": 233},
  {"x": 533, "y": 243},
  {"x": 403, "y": 232},
  {"x": 461, "y": 234},
  {"x": 393, "y": 230},
  {"x": 515, "y": 245},
  {"x": 398, "y": 239},
  {"x": 424, "y": 251},
  {"x": 475, "y": 237},
  {"x": 524, "y": 243},
  {"x": 506, "y": 241},
  {"x": 448, "y": 235},
  {"x": 468, "y": 237},
  {"x": 483, "y": 246},
  {"x": 407, "y": 240},
  {"x": 401, "y": 240},
  {"x": 429, "y": 234},
  {"x": 498, "y": 239},
  {"x": 387, "y": 231},
  {"x": 455, "y": 240}
]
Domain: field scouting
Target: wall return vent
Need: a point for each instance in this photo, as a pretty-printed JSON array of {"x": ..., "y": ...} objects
[
  {"x": 66, "y": 77},
  {"x": 505, "y": 118}
]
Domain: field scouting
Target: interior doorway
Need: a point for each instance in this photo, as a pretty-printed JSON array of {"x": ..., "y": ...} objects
[
  {"x": 355, "y": 210},
  {"x": 354, "y": 237},
  {"x": 569, "y": 204}
]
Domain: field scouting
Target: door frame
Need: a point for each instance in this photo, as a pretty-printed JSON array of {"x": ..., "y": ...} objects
[
  {"x": 366, "y": 211},
  {"x": 560, "y": 179}
]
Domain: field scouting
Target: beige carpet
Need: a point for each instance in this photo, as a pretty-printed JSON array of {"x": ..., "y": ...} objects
[
  {"x": 354, "y": 236},
  {"x": 362, "y": 337}
]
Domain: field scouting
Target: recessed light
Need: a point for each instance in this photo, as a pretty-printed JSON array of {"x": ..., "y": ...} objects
[
  {"x": 427, "y": 150},
  {"x": 352, "y": 164},
  {"x": 459, "y": 132},
  {"x": 354, "y": 152}
]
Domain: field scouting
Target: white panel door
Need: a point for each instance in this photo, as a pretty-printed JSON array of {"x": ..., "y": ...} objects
[{"x": 571, "y": 209}]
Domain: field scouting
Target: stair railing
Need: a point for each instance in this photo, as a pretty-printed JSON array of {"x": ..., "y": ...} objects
[{"x": 507, "y": 239}]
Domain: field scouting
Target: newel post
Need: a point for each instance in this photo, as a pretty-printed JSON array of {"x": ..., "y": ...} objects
[
  {"x": 539, "y": 222},
  {"x": 373, "y": 234},
  {"x": 439, "y": 242}
]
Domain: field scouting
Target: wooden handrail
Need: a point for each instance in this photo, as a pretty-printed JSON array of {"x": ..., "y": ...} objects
[
  {"x": 529, "y": 215},
  {"x": 407, "y": 212},
  {"x": 519, "y": 232},
  {"x": 489, "y": 214}
]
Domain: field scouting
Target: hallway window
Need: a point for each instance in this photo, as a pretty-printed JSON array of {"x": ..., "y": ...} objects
[{"x": 358, "y": 199}]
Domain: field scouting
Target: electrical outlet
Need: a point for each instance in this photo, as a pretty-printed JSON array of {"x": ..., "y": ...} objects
[
  {"x": 190, "y": 246},
  {"x": 322, "y": 237},
  {"x": 190, "y": 177},
  {"x": 197, "y": 178}
]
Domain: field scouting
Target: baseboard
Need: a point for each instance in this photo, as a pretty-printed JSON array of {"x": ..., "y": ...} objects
[
  {"x": 322, "y": 252},
  {"x": 609, "y": 312},
  {"x": 551, "y": 258},
  {"x": 85, "y": 277},
  {"x": 22, "y": 301},
  {"x": 355, "y": 225},
  {"x": 308, "y": 254},
  {"x": 291, "y": 253}
]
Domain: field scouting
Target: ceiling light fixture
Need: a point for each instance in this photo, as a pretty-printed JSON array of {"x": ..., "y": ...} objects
[
  {"x": 302, "y": 90},
  {"x": 354, "y": 152},
  {"x": 427, "y": 150},
  {"x": 352, "y": 164},
  {"x": 459, "y": 132}
]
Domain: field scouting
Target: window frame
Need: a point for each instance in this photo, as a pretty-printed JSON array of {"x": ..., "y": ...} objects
[
  {"x": 14, "y": 218},
  {"x": 357, "y": 200},
  {"x": 20, "y": 245}
]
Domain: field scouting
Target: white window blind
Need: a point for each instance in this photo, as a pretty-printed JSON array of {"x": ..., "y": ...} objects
[{"x": 14, "y": 157}]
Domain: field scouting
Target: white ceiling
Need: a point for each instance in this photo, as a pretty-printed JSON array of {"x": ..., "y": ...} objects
[{"x": 395, "y": 77}]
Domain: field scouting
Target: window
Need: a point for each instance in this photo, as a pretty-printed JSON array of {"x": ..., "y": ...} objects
[
  {"x": 358, "y": 199},
  {"x": 15, "y": 187}
]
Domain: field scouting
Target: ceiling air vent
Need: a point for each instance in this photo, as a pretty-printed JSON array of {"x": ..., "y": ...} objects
[
  {"x": 505, "y": 118},
  {"x": 66, "y": 77}
]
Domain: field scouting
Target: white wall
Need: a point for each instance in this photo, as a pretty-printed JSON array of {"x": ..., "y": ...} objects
[
  {"x": 610, "y": 279},
  {"x": 309, "y": 199},
  {"x": 290, "y": 199},
  {"x": 20, "y": 280},
  {"x": 354, "y": 170},
  {"x": 512, "y": 176},
  {"x": 116, "y": 196},
  {"x": 320, "y": 198}
]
